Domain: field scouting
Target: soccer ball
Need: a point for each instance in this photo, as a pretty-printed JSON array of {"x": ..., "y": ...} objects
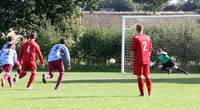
[{"x": 112, "y": 61}]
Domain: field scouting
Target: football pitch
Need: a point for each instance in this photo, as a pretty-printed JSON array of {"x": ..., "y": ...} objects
[{"x": 104, "y": 91}]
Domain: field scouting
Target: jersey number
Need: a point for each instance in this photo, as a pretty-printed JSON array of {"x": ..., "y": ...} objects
[
  {"x": 144, "y": 45},
  {"x": 28, "y": 49}
]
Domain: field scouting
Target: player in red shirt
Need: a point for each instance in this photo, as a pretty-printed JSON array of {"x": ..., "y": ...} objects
[
  {"x": 28, "y": 52},
  {"x": 141, "y": 52}
]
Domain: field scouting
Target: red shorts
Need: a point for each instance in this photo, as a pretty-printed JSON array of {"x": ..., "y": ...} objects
[
  {"x": 7, "y": 67},
  {"x": 28, "y": 66},
  {"x": 56, "y": 65},
  {"x": 142, "y": 69}
]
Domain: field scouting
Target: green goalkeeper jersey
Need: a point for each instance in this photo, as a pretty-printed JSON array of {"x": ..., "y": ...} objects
[{"x": 163, "y": 58}]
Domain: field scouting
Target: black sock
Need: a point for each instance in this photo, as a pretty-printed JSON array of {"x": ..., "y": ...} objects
[
  {"x": 163, "y": 68},
  {"x": 181, "y": 70}
]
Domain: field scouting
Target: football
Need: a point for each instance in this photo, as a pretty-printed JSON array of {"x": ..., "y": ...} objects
[{"x": 112, "y": 60}]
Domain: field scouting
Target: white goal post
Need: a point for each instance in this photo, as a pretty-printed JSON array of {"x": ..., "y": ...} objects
[{"x": 182, "y": 30}]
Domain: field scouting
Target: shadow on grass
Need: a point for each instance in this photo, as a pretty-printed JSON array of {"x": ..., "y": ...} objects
[
  {"x": 76, "y": 97},
  {"x": 154, "y": 80}
]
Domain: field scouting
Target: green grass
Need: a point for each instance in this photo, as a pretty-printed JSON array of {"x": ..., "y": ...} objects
[{"x": 104, "y": 91}]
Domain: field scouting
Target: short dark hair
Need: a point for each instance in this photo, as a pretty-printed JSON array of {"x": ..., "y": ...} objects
[
  {"x": 62, "y": 40},
  {"x": 139, "y": 27},
  {"x": 9, "y": 38},
  {"x": 10, "y": 45},
  {"x": 32, "y": 36}
]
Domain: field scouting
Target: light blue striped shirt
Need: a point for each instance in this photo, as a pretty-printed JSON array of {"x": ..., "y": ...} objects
[{"x": 8, "y": 56}]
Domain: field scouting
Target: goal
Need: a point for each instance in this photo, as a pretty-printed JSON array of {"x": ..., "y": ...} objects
[{"x": 179, "y": 35}]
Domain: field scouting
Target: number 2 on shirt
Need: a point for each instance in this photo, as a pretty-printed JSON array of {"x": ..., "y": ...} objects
[{"x": 144, "y": 45}]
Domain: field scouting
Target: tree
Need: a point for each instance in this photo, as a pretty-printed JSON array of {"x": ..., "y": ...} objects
[
  {"x": 119, "y": 5},
  {"x": 30, "y": 14},
  {"x": 51, "y": 19},
  {"x": 153, "y": 4},
  {"x": 191, "y": 5}
]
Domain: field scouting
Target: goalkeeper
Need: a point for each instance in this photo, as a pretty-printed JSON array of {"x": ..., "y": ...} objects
[{"x": 166, "y": 62}]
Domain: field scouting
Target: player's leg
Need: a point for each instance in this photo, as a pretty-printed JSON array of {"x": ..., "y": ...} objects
[
  {"x": 180, "y": 69},
  {"x": 60, "y": 67},
  {"x": 1, "y": 69},
  {"x": 138, "y": 71},
  {"x": 141, "y": 84},
  {"x": 169, "y": 71},
  {"x": 22, "y": 73},
  {"x": 19, "y": 72},
  {"x": 51, "y": 68},
  {"x": 10, "y": 81},
  {"x": 7, "y": 68},
  {"x": 169, "y": 64},
  {"x": 33, "y": 69},
  {"x": 19, "y": 75},
  {"x": 31, "y": 79},
  {"x": 60, "y": 78},
  {"x": 49, "y": 74},
  {"x": 148, "y": 79},
  {"x": 2, "y": 82}
]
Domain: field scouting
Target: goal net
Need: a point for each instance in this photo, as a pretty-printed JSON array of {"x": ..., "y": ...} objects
[{"x": 178, "y": 35}]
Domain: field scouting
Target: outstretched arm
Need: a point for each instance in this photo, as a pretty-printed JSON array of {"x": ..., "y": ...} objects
[
  {"x": 40, "y": 56},
  {"x": 67, "y": 58}
]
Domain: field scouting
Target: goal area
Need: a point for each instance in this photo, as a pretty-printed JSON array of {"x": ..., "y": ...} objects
[{"x": 178, "y": 35}]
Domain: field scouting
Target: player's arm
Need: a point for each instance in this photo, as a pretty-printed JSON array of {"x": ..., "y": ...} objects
[
  {"x": 16, "y": 62},
  {"x": 156, "y": 61},
  {"x": 150, "y": 46},
  {"x": 133, "y": 49},
  {"x": 39, "y": 54},
  {"x": 132, "y": 57},
  {"x": 15, "y": 57},
  {"x": 67, "y": 58}
]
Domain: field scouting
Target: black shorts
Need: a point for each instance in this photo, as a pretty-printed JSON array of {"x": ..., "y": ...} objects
[{"x": 169, "y": 63}]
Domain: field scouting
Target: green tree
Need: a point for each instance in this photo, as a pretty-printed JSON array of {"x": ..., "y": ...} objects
[
  {"x": 153, "y": 4},
  {"x": 119, "y": 5},
  {"x": 30, "y": 14},
  {"x": 191, "y": 5},
  {"x": 50, "y": 18}
]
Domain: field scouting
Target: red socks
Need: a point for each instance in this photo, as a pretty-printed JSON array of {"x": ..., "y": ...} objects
[
  {"x": 149, "y": 86},
  {"x": 141, "y": 86},
  {"x": 31, "y": 79},
  {"x": 8, "y": 78},
  {"x": 59, "y": 80},
  {"x": 22, "y": 74}
]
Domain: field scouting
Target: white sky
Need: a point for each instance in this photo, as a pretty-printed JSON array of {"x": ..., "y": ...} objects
[{"x": 175, "y": 1}]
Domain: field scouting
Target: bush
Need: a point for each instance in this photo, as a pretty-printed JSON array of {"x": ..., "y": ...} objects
[{"x": 96, "y": 46}]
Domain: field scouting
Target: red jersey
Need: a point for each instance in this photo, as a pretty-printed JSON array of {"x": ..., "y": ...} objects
[
  {"x": 141, "y": 48},
  {"x": 29, "y": 49}
]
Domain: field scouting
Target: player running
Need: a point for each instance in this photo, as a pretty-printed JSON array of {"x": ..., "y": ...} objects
[
  {"x": 57, "y": 55},
  {"x": 8, "y": 57},
  {"x": 29, "y": 50},
  {"x": 141, "y": 52},
  {"x": 166, "y": 62}
]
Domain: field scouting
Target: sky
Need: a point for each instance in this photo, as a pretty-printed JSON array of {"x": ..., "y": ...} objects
[{"x": 175, "y": 1}]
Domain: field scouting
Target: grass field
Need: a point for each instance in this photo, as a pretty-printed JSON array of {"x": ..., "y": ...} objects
[{"x": 104, "y": 91}]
